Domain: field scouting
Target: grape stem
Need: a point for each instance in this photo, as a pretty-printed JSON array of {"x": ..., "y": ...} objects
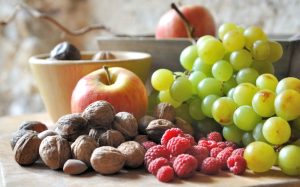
[
  {"x": 189, "y": 28},
  {"x": 107, "y": 75}
]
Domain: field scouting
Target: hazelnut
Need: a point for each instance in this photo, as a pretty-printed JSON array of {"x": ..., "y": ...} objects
[
  {"x": 107, "y": 160},
  {"x": 26, "y": 150},
  {"x": 143, "y": 123},
  {"x": 134, "y": 153},
  {"x": 141, "y": 139},
  {"x": 55, "y": 151},
  {"x": 126, "y": 123},
  {"x": 71, "y": 126},
  {"x": 44, "y": 134},
  {"x": 83, "y": 148},
  {"x": 111, "y": 138},
  {"x": 99, "y": 114},
  {"x": 17, "y": 135},
  {"x": 104, "y": 55},
  {"x": 74, "y": 167},
  {"x": 164, "y": 111},
  {"x": 34, "y": 126},
  {"x": 157, "y": 128},
  {"x": 184, "y": 125}
]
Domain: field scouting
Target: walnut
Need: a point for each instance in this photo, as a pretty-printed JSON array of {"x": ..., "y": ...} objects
[
  {"x": 74, "y": 167},
  {"x": 184, "y": 125},
  {"x": 107, "y": 160},
  {"x": 55, "y": 151},
  {"x": 96, "y": 133},
  {"x": 111, "y": 138},
  {"x": 143, "y": 123},
  {"x": 126, "y": 123},
  {"x": 83, "y": 148},
  {"x": 99, "y": 114},
  {"x": 71, "y": 126},
  {"x": 17, "y": 135},
  {"x": 26, "y": 150},
  {"x": 44, "y": 134},
  {"x": 141, "y": 139},
  {"x": 134, "y": 153},
  {"x": 157, "y": 128},
  {"x": 164, "y": 111},
  {"x": 104, "y": 55},
  {"x": 34, "y": 126}
]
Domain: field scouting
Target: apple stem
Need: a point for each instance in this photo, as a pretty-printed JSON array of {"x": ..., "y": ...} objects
[
  {"x": 189, "y": 28},
  {"x": 107, "y": 75}
]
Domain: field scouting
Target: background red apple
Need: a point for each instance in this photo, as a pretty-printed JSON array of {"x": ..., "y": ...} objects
[
  {"x": 125, "y": 91},
  {"x": 171, "y": 25}
]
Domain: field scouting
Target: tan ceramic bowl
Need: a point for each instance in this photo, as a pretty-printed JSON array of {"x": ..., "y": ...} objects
[{"x": 56, "y": 79}]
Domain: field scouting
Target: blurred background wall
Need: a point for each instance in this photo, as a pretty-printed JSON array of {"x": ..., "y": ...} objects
[{"x": 25, "y": 35}]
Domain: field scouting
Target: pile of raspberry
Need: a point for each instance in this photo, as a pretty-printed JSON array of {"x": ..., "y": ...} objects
[{"x": 179, "y": 155}]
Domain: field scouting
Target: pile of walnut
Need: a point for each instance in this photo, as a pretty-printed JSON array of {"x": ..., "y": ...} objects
[{"x": 97, "y": 138}]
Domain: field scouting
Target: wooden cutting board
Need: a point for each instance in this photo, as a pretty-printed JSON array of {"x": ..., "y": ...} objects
[{"x": 11, "y": 174}]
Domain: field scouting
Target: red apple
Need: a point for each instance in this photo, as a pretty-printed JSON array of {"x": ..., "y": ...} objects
[
  {"x": 171, "y": 25},
  {"x": 125, "y": 91}
]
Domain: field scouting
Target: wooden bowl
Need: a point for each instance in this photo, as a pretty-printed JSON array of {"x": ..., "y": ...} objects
[{"x": 56, "y": 79}]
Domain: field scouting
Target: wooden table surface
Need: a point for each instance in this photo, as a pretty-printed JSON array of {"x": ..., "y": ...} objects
[{"x": 11, "y": 174}]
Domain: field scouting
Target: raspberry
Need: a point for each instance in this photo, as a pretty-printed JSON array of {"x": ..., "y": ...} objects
[
  {"x": 185, "y": 165},
  {"x": 237, "y": 164},
  {"x": 215, "y": 151},
  {"x": 221, "y": 145},
  {"x": 190, "y": 138},
  {"x": 170, "y": 133},
  {"x": 178, "y": 145},
  {"x": 223, "y": 156},
  {"x": 199, "y": 152},
  {"x": 148, "y": 144},
  {"x": 209, "y": 144},
  {"x": 156, "y": 152},
  {"x": 157, "y": 163},
  {"x": 210, "y": 166},
  {"x": 231, "y": 144},
  {"x": 165, "y": 174},
  {"x": 215, "y": 136},
  {"x": 239, "y": 151}
]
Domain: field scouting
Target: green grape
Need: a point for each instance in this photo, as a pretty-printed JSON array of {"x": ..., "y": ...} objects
[
  {"x": 211, "y": 50},
  {"x": 162, "y": 79},
  {"x": 223, "y": 109},
  {"x": 261, "y": 50},
  {"x": 276, "y": 130},
  {"x": 234, "y": 40},
  {"x": 210, "y": 86},
  {"x": 225, "y": 28},
  {"x": 241, "y": 29},
  {"x": 200, "y": 65},
  {"x": 263, "y": 103},
  {"x": 276, "y": 51},
  {"x": 203, "y": 38},
  {"x": 153, "y": 100},
  {"x": 195, "y": 77},
  {"x": 227, "y": 56},
  {"x": 288, "y": 160},
  {"x": 247, "y": 138},
  {"x": 252, "y": 34},
  {"x": 165, "y": 97},
  {"x": 183, "y": 112},
  {"x": 260, "y": 156},
  {"x": 228, "y": 85},
  {"x": 195, "y": 109},
  {"x": 257, "y": 132},
  {"x": 205, "y": 126},
  {"x": 267, "y": 81},
  {"x": 245, "y": 118},
  {"x": 222, "y": 70},
  {"x": 296, "y": 123},
  {"x": 263, "y": 67},
  {"x": 247, "y": 75},
  {"x": 244, "y": 93},
  {"x": 232, "y": 133},
  {"x": 188, "y": 57},
  {"x": 287, "y": 104},
  {"x": 181, "y": 89},
  {"x": 230, "y": 93},
  {"x": 207, "y": 103},
  {"x": 240, "y": 59},
  {"x": 288, "y": 83}
]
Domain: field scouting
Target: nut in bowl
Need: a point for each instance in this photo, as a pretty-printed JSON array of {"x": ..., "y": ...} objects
[{"x": 56, "y": 79}]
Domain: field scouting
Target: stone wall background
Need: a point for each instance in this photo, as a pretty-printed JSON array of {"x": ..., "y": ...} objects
[{"x": 26, "y": 35}]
